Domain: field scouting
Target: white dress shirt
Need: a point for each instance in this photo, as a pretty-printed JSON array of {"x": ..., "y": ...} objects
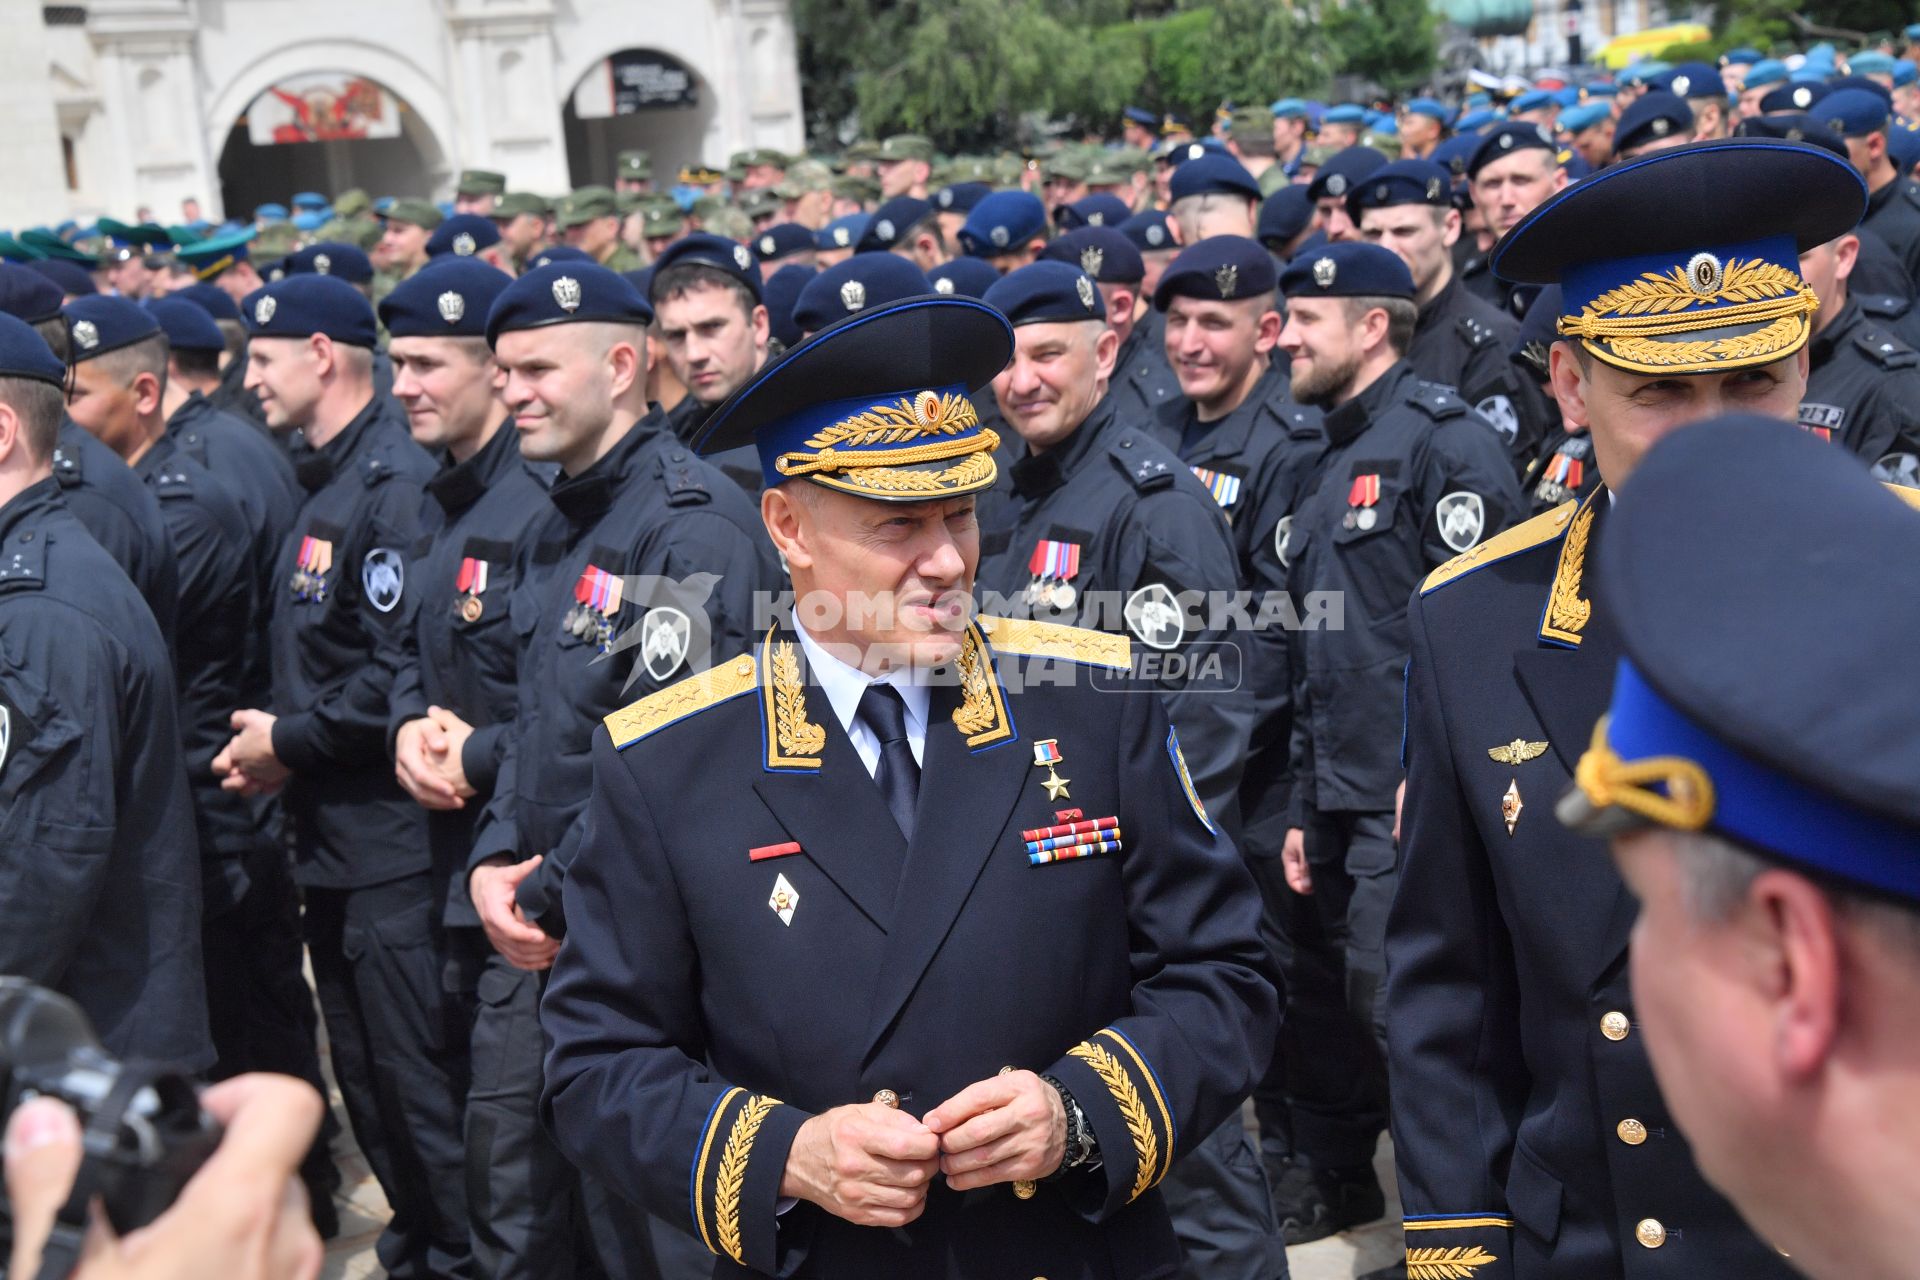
[{"x": 844, "y": 685}]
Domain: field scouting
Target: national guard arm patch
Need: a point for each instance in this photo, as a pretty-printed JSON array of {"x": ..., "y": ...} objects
[{"x": 1186, "y": 781}]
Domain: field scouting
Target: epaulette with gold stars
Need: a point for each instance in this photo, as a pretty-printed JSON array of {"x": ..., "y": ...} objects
[
  {"x": 681, "y": 700},
  {"x": 1544, "y": 527},
  {"x": 1052, "y": 640}
]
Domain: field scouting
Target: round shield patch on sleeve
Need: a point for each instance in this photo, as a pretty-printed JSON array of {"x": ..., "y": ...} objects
[
  {"x": 1462, "y": 517},
  {"x": 383, "y": 575}
]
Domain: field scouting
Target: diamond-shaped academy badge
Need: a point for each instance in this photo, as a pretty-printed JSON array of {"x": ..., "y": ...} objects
[{"x": 785, "y": 899}]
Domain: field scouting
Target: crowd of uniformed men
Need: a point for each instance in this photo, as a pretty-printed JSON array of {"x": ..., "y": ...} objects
[{"x": 326, "y": 546}]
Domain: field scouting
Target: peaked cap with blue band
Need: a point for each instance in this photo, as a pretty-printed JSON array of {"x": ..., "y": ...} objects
[
  {"x": 1686, "y": 260},
  {"x": 1781, "y": 587},
  {"x": 877, "y": 406}
]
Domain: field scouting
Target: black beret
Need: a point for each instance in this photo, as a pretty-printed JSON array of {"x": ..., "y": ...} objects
[
  {"x": 25, "y": 354},
  {"x": 848, "y": 288},
  {"x": 963, "y": 277},
  {"x": 1651, "y": 117},
  {"x": 891, "y": 222},
  {"x": 28, "y": 295},
  {"x": 300, "y": 306},
  {"x": 960, "y": 197},
  {"x": 783, "y": 240},
  {"x": 783, "y": 290},
  {"x": 1284, "y": 214},
  {"x": 1149, "y": 231},
  {"x": 1213, "y": 175},
  {"x": 1349, "y": 269},
  {"x": 568, "y": 293},
  {"x": 561, "y": 253},
  {"x": 349, "y": 262},
  {"x": 1402, "y": 182},
  {"x": 1343, "y": 170},
  {"x": 448, "y": 298},
  {"x": 187, "y": 327},
  {"x": 210, "y": 298},
  {"x": 463, "y": 235},
  {"x": 1102, "y": 252},
  {"x": 1047, "y": 293},
  {"x": 709, "y": 250},
  {"x": 105, "y": 323},
  {"x": 70, "y": 276},
  {"x": 1101, "y": 209},
  {"x": 1801, "y": 97},
  {"x": 1503, "y": 140},
  {"x": 1219, "y": 268}
]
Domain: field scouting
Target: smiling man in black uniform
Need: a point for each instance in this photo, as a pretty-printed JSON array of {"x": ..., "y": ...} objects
[
  {"x": 360, "y": 846},
  {"x": 859, "y": 981},
  {"x": 101, "y": 865},
  {"x": 1531, "y": 1139},
  {"x": 1142, "y": 379},
  {"x": 643, "y": 560}
]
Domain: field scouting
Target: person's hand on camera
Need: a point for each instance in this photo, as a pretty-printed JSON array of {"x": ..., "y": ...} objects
[{"x": 243, "y": 1216}]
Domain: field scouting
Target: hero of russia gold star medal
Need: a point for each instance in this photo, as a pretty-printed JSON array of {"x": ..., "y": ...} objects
[{"x": 1046, "y": 754}]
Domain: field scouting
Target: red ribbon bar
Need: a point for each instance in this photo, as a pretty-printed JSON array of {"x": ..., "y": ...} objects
[
  {"x": 766, "y": 851},
  {"x": 1070, "y": 829}
]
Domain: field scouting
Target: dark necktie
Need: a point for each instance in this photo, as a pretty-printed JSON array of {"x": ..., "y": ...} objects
[{"x": 898, "y": 773}]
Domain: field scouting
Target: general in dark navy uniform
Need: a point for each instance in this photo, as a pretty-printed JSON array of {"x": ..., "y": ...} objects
[
  {"x": 102, "y": 870},
  {"x": 899, "y": 944},
  {"x": 1529, "y": 1133}
]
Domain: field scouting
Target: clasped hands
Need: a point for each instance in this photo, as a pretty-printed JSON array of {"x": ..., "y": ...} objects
[{"x": 871, "y": 1164}]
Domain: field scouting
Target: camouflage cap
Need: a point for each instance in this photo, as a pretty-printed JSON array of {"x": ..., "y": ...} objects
[
  {"x": 637, "y": 165},
  {"x": 1008, "y": 169},
  {"x": 1068, "y": 164},
  {"x": 852, "y": 187},
  {"x": 584, "y": 205},
  {"x": 1107, "y": 169},
  {"x": 729, "y": 222},
  {"x": 627, "y": 203},
  {"x": 361, "y": 231},
  {"x": 906, "y": 146},
  {"x": 706, "y": 207},
  {"x": 1388, "y": 144},
  {"x": 865, "y": 151},
  {"x": 418, "y": 213},
  {"x": 515, "y": 203},
  {"x": 803, "y": 176},
  {"x": 763, "y": 157},
  {"x": 276, "y": 240},
  {"x": 969, "y": 169},
  {"x": 736, "y": 171},
  {"x": 760, "y": 203},
  {"x": 1318, "y": 154},
  {"x": 351, "y": 203},
  {"x": 662, "y": 220},
  {"x": 481, "y": 182},
  {"x": 1251, "y": 124}
]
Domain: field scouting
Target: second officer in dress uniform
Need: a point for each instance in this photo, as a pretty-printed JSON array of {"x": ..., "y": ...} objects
[
  {"x": 899, "y": 943},
  {"x": 1530, "y": 1137}
]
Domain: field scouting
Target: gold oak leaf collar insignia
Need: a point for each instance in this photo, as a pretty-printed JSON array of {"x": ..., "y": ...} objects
[
  {"x": 1567, "y": 611},
  {"x": 1458, "y": 1263}
]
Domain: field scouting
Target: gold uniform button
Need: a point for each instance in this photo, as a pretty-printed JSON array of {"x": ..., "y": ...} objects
[
  {"x": 887, "y": 1098},
  {"x": 1631, "y": 1132},
  {"x": 1650, "y": 1233},
  {"x": 1614, "y": 1025}
]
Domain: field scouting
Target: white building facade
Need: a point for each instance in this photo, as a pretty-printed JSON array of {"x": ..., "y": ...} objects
[{"x": 125, "y": 105}]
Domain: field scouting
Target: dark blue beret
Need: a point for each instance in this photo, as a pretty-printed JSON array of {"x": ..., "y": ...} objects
[
  {"x": 1149, "y": 231},
  {"x": 1851, "y": 113},
  {"x": 71, "y": 277},
  {"x": 25, "y": 354},
  {"x": 568, "y": 293},
  {"x": 1047, "y": 292},
  {"x": 187, "y": 327},
  {"x": 848, "y": 288},
  {"x": 1178, "y": 153},
  {"x": 1503, "y": 140},
  {"x": 300, "y": 306},
  {"x": 1343, "y": 171},
  {"x": 1002, "y": 222},
  {"x": 561, "y": 253},
  {"x": 1101, "y": 209},
  {"x": 1690, "y": 80},
  {"x": 210, "y": 298},
  {"x": 463, "y": 235},
  {"x": 783, "y": 240},
  {"x": 1793, "y": 97},
  {"x": 450, "y": 297},
  {"x": 843, "y": 232},
  {"x": 891, "y": 222},
  {"x": 1653, "y": 115},
  {"x": 1866, "y": 84},
  {"x": 1402, "y": 182},
  {"x": 1798, "y": 128},
  {"x": 349, "y": 262},
  {"x": 783, "y": 290},
  {"x": 963, "y": 277},
  {"x": 1219, "y": 268},
  {"x": 708, "y": 250},
  {"x": 28, "y": 295},
  {"x": 1455, "y": 153},
  {"x": 1102, "y": 252},
  {"x": 1903, "y": 145},
  {"x": 1213, "y": 175},
  {"x": 960, "y": 197},
  {"x": 1787, "y": 541},
  {"x": 1284, "y": 215},
  {"x": 106, "y": 323},
  {"x": 1350, "y": 269}
]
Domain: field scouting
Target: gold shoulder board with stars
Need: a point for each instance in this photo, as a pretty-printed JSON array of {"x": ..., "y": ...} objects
[
  {"x": 684, "y": 698},
  {"x": 1051, "y": 640},
  {"x": 1544, "y": 527}
]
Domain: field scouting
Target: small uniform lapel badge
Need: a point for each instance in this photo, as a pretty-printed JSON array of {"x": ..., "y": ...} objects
[
  {"x": 1066, "y": 840},
  {"x": 785, "y": 899},
  {"x": 310, "y": 569},
  {"x": 1519, "y": 751},
  {"x": 1361, "y": 497},
  {"x": 1511, "y": 804},
  {"x": 471, "y": 585},
  {"x": 1224, "y": 486},
  {"x": 1053, "y": 566},
  {"x": 1046, "y": 754}
]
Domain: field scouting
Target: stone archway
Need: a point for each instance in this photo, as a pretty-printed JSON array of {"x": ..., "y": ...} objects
[{"x": 632, "y": 98}]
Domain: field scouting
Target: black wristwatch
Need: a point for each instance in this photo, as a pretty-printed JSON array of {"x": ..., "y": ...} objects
[{"x": 1083, "y": 1149}]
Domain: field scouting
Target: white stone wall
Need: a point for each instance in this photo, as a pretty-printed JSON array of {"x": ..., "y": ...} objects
[{"x": 30, "y": 144}]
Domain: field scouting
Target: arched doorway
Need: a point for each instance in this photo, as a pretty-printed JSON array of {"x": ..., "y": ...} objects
[
  {"x": 638, "y": 98},
  {"x": 326, "y": 131}
]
